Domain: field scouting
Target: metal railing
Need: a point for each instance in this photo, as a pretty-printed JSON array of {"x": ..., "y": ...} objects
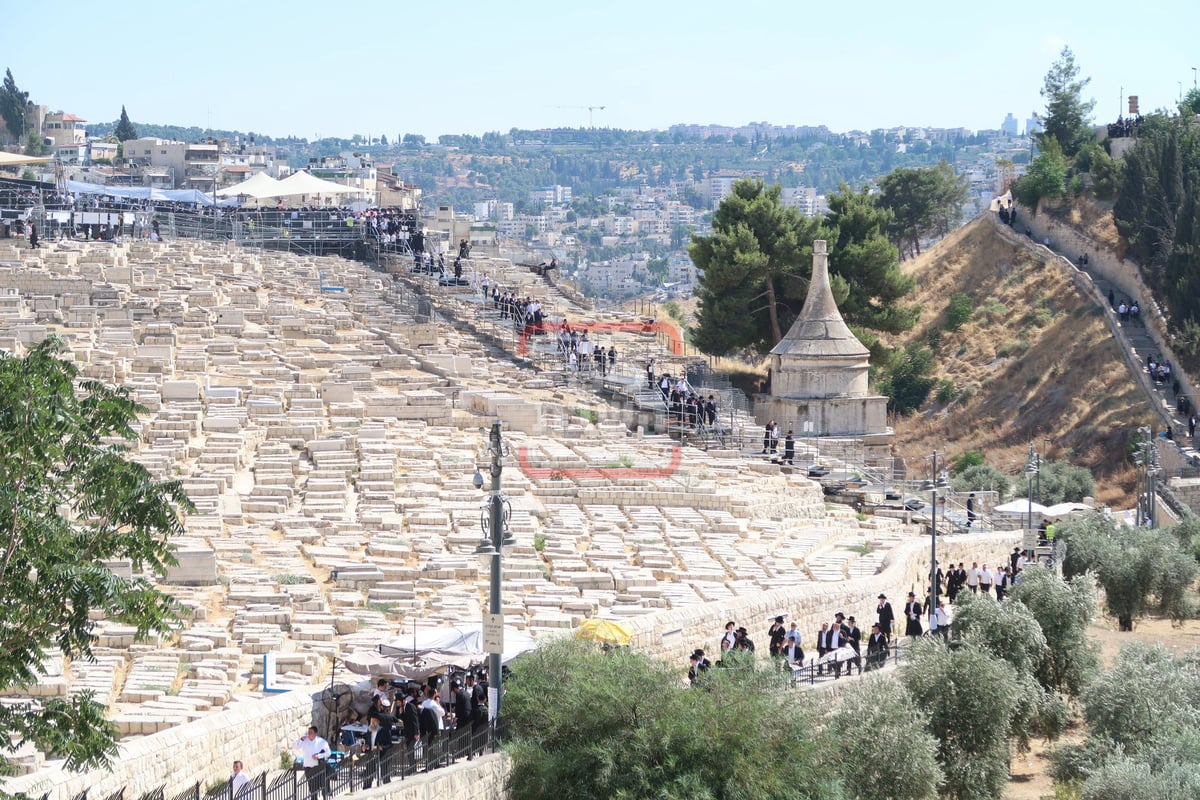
[{"x": 342, "y": 773}]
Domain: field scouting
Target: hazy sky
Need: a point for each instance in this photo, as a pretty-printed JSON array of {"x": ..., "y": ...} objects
[{"x": 338, "y": 68}]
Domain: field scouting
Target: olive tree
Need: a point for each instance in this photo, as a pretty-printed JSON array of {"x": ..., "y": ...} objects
[
  {"x": 881, "y": 746},
  {"x": 591, "y": 724},
  {"x": 957, "y": 688},
  {"x": 1063, "y": 610}
]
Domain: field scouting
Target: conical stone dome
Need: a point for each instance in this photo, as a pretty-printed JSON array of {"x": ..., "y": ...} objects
[{"x": 820, "y": 331}]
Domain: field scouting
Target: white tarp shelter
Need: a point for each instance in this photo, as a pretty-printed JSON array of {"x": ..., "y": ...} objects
[
  {"x": 258, "y": 186},
  {"x": 1066, "y": 509},
  {"x": 432, "y": 650}
]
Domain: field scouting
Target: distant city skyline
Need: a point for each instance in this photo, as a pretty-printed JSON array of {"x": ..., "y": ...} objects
[{"x": 306, "y": 69}]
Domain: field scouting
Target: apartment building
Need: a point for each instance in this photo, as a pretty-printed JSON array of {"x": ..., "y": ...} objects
[{"x": 193, "y": 165}]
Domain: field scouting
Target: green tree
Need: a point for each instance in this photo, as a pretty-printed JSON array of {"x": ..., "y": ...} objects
[
  {"x": 1068, "y": 116},
  {"x": 1139, "y": 569},
  {"x": 757, "y": 263},
  {"x": 71, "y": 499},
  {"x": 864, "y": 266},
  {"x": 882, "y": 748},
  {"x": 14, "y": 108},
  {"x": 907, "y": 381},
  {"x": 125, "y": 130},
  {"x": 1191, "y": 102},
  {"x": 925, "y": 202},
  {"x": 957, "y": 688},
  {"x": 754, "y": 279},
  {"x": 34, "y": 146},
  {"x": 1046, "y": 177},
  {"x": 620, "y": 725},
  {"x": 1142, "y": 739},
  {"x": 1063, "y": 609}
]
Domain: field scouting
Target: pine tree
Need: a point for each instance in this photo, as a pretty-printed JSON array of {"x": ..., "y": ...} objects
[{"x": 125, "y": 130}]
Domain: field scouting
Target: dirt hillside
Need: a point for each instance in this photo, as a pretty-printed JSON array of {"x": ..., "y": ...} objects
[{"x": 1035, "y": 362}]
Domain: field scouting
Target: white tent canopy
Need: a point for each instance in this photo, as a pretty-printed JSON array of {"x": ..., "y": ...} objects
[
  {"x": 432, "y": 650},
  {"x": 258, "y": 186},
  {"x": 305, "y": 183},
  {"x": 1019, "y": 507}
]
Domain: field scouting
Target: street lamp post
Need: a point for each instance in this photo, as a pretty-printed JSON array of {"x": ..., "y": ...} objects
[
  {"x": 932, "y": 486},
  {"x": 1152, "y": 471},
  {"x": 1032, "y": 470},
  {"x": 496, "y": 536}
]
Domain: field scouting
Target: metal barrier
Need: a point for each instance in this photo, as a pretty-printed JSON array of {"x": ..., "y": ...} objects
[{"x": 344, "y": 773}]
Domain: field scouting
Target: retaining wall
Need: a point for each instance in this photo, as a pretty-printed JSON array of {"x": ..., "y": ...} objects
[{"x": 257, "y": 731}]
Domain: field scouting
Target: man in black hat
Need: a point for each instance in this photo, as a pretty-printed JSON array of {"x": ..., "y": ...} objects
[
  {"x": 462, "y": 716},
  {"x": 886, "y": 615},
  {"x": 743, "y": 640},
  {"x": 877, "y": 648},
  {"x": 777, "y": 634},
  {"x": 852, "y": 636}
]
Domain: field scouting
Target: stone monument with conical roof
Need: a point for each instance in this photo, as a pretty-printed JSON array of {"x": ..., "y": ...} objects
[{"x": 819, "y": 370}]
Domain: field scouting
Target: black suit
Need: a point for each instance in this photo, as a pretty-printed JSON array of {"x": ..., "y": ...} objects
[
  {"x": 377, "y": 741},
  {"x": 912, "y": 617},
  {"x": 462, "y": 715},
  {"x": 886, "y": 616},
  {"x": 410, "y": 719},
  {"x": 877, "y": 650},
  {"x": 853, "y": 637}
]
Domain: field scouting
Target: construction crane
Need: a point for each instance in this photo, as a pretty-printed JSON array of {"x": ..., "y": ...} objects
[{"x": 590, "y": 109}]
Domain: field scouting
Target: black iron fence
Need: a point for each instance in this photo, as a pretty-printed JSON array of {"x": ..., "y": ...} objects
[{"x": 342, "y": 773}]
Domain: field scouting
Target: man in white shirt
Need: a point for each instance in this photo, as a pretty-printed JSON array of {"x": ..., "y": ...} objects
[
  {"x": 239, "y": 783},
  {"x": 985, "y": 580},
  {"x": 973, "y": 577},
  {"x": 939, "y": 621},
  {"x": 314, "y": 750}
]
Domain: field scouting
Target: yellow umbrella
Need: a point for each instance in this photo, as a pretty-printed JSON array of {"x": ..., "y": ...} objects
[{"x": 605, "y": 631}]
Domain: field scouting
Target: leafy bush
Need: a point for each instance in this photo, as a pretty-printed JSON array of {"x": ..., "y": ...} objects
[
  {"x": 957, "y": 688},
  {"x": 899, "y": 766},
  {"x": 981, "y": 478},
  {"x": 907, "y": 382},
  {"x": 946, "y": 391},
  {"x": 1063, "y": 610},
  {"x": 1060, "y": 482},
  {"x": 971, "y": 458},
  {"x": 958, "y": 310}
]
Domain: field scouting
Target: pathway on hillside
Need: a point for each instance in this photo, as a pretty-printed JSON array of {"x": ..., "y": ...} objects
[{"x": 1135, "y": 339}]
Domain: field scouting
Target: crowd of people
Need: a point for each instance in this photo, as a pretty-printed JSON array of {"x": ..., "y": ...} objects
[
  {"x": 842, "y": 646},
  {"x": 410, "y": 715},
  {"x": 1125, "y": 127}
]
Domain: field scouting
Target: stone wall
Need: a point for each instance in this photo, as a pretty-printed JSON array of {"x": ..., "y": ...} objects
[
  {"x": 254, "y": 732},
  {"x": 673, "y": 634},
  {"x": 1069, "y": 244},
  {"x": 1105, "y": 265}
]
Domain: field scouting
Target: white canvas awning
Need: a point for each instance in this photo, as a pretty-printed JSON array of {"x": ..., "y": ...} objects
[
  {"x": 258, "y": 186},
  {"x": 15, "y": 160}
]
